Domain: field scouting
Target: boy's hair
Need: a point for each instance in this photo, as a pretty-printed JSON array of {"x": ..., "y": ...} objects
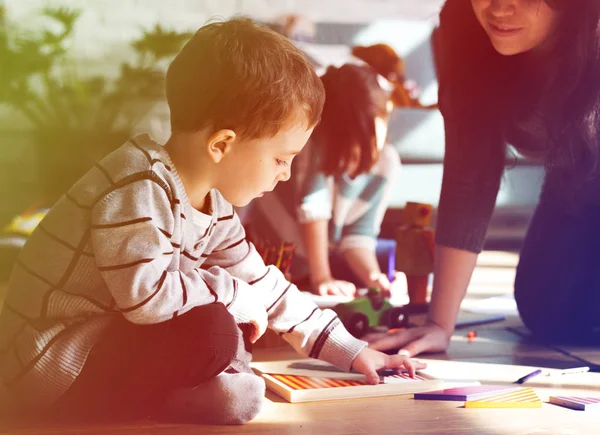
[
  {"x": 354, "y": 100},
  {"x": 239, "y": 75}
]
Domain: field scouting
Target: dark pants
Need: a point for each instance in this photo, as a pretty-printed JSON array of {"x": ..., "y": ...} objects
[
  {"x": 133, "y": 367},
  {"x": 557, "y": 287}
]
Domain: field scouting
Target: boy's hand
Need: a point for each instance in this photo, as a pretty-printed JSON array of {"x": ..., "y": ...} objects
[
  {"x": 369, "y": 361},
  {"x": 259, "y": 325}
]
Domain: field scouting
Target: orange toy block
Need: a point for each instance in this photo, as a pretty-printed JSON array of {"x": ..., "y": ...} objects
[{"x": 415, "y": 249}]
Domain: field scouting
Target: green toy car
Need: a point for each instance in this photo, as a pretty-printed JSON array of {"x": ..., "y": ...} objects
[{"x": 361, "y": 314}]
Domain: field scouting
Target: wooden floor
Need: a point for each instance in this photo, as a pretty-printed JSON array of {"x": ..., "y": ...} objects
[{"x": 497, "y": 356}]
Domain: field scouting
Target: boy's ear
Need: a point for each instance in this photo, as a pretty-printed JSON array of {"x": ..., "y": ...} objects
[{"x": 219, "y": 144}]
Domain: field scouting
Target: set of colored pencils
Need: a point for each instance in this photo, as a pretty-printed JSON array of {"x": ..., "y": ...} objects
[{"x": 278, "y": 255}]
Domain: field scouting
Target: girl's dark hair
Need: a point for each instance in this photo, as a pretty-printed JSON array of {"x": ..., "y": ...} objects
[
  {"x": 495, "y": 91},
  {"x": 353, "y": 99}
]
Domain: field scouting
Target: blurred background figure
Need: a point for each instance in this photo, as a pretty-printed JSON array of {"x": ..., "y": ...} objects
[{"x": 333, "y": 205}]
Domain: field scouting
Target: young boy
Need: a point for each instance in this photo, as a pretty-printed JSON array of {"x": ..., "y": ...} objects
[{"x": 137, "y": 292}]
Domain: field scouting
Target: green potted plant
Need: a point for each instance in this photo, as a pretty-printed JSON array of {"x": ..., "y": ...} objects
[{"x": 76, "y": 119}]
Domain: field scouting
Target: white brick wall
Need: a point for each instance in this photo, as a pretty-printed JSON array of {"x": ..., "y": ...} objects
[
  {"x": 106, "y": 23},
  {"x": 322, "y": 10},
  {"x": 107, "y": 27}
]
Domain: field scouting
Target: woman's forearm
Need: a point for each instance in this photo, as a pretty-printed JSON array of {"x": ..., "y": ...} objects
[{"x": 452, "y": 273}]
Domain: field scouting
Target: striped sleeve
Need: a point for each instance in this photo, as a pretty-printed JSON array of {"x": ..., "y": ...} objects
[
  {"x": 311, "y": 331},
  {"x": 131, "y": 230}
]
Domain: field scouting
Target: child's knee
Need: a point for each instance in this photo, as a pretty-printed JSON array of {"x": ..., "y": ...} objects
[
  {"x": 212, "y": 317},
  {"x": 210, "y": 339},
  {"x": 215, "y": 324}
]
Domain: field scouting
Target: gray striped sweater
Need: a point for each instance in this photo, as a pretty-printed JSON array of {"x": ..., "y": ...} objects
[{"x": 125, "y": 241}]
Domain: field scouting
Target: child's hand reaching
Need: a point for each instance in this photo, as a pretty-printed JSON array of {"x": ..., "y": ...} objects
[
  {"x": 259, "y": 325},
  {"x": 381, "y": 281},
  {"x": 369, "y": 361},
  {"x": 247, "y": 309},
  {"x": 334, "y": 287}
]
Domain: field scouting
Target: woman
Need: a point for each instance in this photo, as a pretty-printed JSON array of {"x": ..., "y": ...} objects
[
  {"x": 524, "y": 72},
  {"x": 333, "y": 205}
]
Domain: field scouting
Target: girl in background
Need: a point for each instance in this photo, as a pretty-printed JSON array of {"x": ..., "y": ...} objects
[{"x": 333, "y": 206}]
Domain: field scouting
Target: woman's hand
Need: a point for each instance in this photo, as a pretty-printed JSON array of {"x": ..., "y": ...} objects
[
  {"x": 428, "y": 338},
  {"x": 453, "y": 270}
]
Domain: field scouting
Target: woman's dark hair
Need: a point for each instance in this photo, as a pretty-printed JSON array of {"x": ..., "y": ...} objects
[
  {"x": 353, "y": 99},
  {"x": 495, "y": 91}
]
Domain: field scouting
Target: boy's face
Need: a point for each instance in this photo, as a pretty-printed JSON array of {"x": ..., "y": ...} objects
[{"x": 253, "y": 167}]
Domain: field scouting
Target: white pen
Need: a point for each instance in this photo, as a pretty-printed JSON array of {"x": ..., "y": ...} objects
[{"x": 572, "y": 371}]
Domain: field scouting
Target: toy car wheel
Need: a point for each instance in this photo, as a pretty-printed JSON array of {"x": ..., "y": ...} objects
[
  {"x": 396, "y": 318},
  {"x": 357, "y": 324}
]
